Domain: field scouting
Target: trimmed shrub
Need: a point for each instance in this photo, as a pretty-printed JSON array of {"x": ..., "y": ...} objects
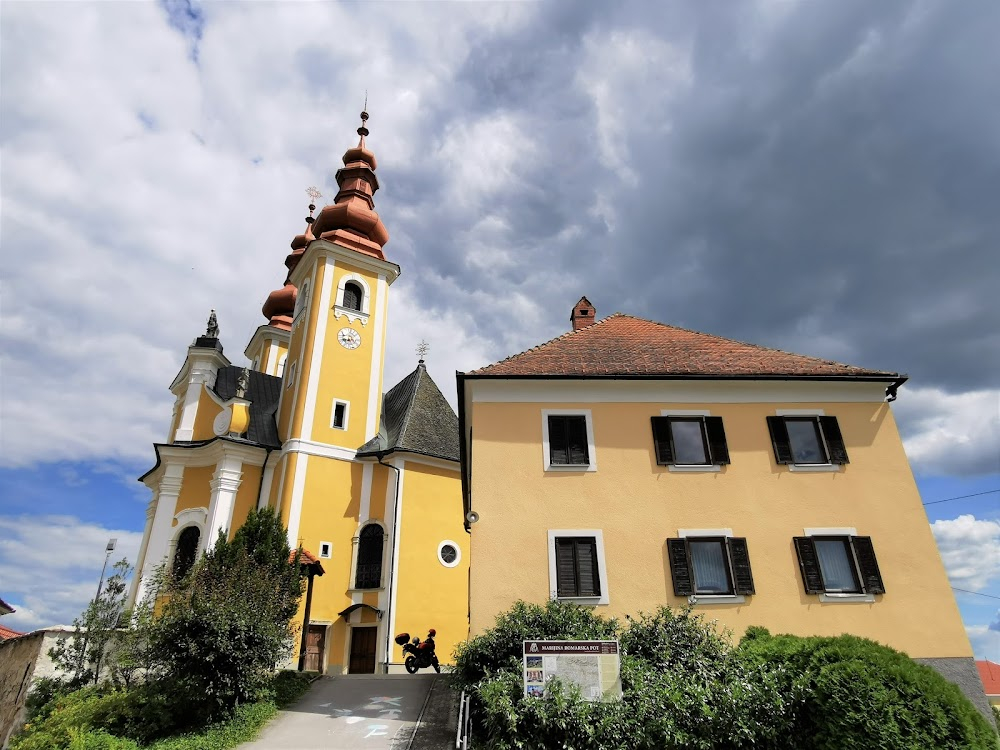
[
  {"x": 858, "y": 693},
  {"x": 289, "y": 686}
]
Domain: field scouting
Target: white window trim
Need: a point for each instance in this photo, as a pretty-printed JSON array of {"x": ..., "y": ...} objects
[
  {"x": 591, "y": 451},
  {"x": 333, "y": 413},
  {"x": 809, "y": 468},
  {"x": 329, "y": 550},
  {"x": 690, "y": 468},
  {"x": 279, "y": 371},
  {"x": 602, "y": 570},
  {"x": 458, "y": 556},
  {"x": 301, "y": 301},
  {"x": 291, "y": 376},
  {"x": 839, "y": 598},
  {"x": 711, "y": 598},
  {"x": 355, "y": 542},
  {"x": 353, "y": 316}
]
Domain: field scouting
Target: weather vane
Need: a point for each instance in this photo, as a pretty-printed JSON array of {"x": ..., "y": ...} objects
[{"x": 422, "y": 348}]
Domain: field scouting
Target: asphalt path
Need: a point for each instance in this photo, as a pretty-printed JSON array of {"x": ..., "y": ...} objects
[{"x": 351, "y": 712}]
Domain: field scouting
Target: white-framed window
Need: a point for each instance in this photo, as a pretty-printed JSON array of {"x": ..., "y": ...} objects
[
  {"x": 689, "y": 441},
  {"x": 291, "y": 375},
  {"x": 807, "y": 440},
  {"x": 568, "y": 440},
  {"x": 710, "y": 566},
  {"x": 325, "y": 550},
  {"x": 369, "y": 551},
  {"x": 353, "y": 298},
  {"x": 301, "y": 299},
  {"x": 449, "y": 553},
  {"x": 577, "y": 571},
  {"x": 281, "y": 366},
  {"x": 838, "y": 565},
  {"x": 339, "y": 414}
]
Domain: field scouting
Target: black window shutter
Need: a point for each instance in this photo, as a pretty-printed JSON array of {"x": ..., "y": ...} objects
[
  {"x": 579, "y": 452},
  {"x": 739, "y": 558},
  {"x": 680, "y": 567},
  {"x": 717, "y": 440},
  {"x": 566, "y": 584},
  {"x": 779, "y": 439},
  {"x": 558, "y": 440},
  {"x": 661, "y": 440},
  {"x": 834, "y": 440},
  {"x": 589, "y": 580},
  {"x": 812, "y": 577},
  {"x": 864, "y": 553}
]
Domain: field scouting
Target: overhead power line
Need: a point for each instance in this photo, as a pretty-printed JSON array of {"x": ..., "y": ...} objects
[
  {"x": 966, "y": 591},
  {"x": 961, "y": 497}
]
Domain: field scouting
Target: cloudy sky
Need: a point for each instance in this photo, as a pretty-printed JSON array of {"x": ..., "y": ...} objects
[{"x": 819, "y": 177}]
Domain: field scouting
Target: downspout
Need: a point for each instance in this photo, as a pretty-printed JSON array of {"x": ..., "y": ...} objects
[{"x": 393, "y": 561}]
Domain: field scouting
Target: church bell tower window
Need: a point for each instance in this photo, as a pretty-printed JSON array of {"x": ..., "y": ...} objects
[{"x": 352, "y": 296}]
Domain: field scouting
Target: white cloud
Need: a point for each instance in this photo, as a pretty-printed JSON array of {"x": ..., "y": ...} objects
[
  {"x": 970, "y": 550},
  {"x": 985, "y": 639},
  {"x": 950, "y": 434},
  {"x": 50, "y": 566}
]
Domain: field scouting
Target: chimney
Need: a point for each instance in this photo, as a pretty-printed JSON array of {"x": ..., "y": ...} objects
[{"x": 583, "y": 314}]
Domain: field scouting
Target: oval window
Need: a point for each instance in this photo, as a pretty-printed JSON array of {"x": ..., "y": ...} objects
[{"x": 449, "y": 553}]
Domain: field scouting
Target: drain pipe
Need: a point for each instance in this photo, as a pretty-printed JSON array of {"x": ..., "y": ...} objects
[{"x": 393, "y": 563}]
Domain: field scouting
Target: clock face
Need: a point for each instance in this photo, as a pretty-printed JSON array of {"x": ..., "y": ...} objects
[{"x": 349, "y": 338}]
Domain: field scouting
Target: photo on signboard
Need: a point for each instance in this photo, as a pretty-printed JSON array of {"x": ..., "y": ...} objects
[
  {"x": 536, "y": 690},
  {"x": 534, "y": 675},
  {"x": 534, "y": 662}
]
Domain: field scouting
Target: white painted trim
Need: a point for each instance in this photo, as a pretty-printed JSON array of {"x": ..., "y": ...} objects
[
  {"x": 225, "y": 484},
  {"x": 591, "y": 450},
  {"x": 378, "y": 352},
  {"x": 420, "y": 458},
  {"x": 291, "y": 377},
  {"x": 355, "y": 540},
  {"x": 717, "y": 599},
  {"x": 685, "y": 413},
  {"x": 847, "y": 598},
  {"x": 350, "y": 256},
  {"x": 264, "y": 332},
  {"x": 684, "y": 533},
  {"x": 295, "y": 508},
  {"x": 395, "y": 521},
  {"x": 800, "y": 412},
  {"x": 313, "y": 448},
  {"x": 365, "y": 504},
  {"x": 267, "y": 479},
  {"x": 815, "y": 468},
  {"x": 831, "y": 531},
  {"x": 333, "y": 414},
  {"x": 209, "y": 454},
  {"x": 329, "y": 551},
  {"x": 602, "y": 571},
  {"x": 353, "y": 316},
  {"x": 458, "y": 550},
  {"x": 279, "y": 370},
  {"x": 790, "y": 391},
  {"x": 694, "y": 468},
  {"x": 316, "y": 355},
  {"x": 301, "y": 301}
]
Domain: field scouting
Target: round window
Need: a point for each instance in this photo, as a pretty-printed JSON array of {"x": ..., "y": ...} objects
[{"x": 449, "y": 553}]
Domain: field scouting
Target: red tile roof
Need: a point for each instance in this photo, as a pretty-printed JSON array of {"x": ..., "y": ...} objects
[
  {"x": 6, "y": 633},
  {"x": 307, "y": 558},
  {"x": 623, "y": 345},
  {"x": 989, "y": 673}
]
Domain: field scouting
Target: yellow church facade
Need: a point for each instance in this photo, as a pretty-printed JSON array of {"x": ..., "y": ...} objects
[
  {"x": 628, "y": 465},
  {"x": 366, "y": 482}
]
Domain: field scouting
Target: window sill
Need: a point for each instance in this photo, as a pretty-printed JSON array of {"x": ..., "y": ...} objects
[
  {"x": 716, "y": 599},
  {"x": 694, "y": 468},
  {"x": 571, "y": 467},
  {"x": 364, "y": 591},
  {"x": 847, "y": 598},
  {"x": 819, "y": 468},
  {"x": 583, "y": 600},
  {"x": 352, "y": 315}
]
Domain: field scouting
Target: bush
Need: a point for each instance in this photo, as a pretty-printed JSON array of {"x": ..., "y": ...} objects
[
  {"x": 858, "y": 693},
  {"x": 289, "y": 686}
]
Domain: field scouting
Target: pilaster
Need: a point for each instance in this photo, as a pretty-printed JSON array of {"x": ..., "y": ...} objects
[
  {"x": 225, "y": 483},
  {"x": 158, "y": 536}
]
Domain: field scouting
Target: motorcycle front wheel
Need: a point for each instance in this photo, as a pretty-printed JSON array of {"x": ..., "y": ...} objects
[{"x": 411, "y": 665}]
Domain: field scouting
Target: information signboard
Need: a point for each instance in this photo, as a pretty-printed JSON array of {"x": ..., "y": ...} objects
[{"x": 594, "y": 666}]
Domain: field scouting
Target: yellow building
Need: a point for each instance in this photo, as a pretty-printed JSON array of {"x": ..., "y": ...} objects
[
  {"x": 629, "y": 464},
  {"x": 369, "y": 485}
]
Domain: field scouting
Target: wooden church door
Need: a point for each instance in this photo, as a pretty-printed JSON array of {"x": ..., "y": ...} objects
[
  {"x": 315, "y": 642},
  {"x": 363, "y": 650}
]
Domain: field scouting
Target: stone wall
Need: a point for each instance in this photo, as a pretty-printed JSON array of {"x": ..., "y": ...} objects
[
  {"x": 961, "y": 670},
  {"x": 18, "y": 657}
]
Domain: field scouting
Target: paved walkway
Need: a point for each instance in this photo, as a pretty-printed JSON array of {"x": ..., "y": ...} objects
[{"x": 352, "y": 712}]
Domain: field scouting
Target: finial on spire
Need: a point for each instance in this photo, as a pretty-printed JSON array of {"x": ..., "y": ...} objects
[
  {"x": 243, "y": 383},
  {"x": 422, "y": 348},
  {"x": 212, "y": 330},
  {"x": 313, "y": 194},
  {"x": 363, "y": 131}
]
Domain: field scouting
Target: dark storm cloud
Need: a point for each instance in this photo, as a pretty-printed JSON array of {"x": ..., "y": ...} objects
[{"x": 827, "y": 181}]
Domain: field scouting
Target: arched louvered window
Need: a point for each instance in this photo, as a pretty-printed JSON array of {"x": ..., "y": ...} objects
[
  {"x": 352, "y": 296},
  {"x": 369, "y": 571},
  {"x": 187, "y": 549}
]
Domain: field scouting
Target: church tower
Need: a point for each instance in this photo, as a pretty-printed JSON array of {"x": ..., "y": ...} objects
[{"x": 368, "y": 485}]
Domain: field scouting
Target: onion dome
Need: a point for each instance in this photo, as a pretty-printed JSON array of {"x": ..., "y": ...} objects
[{"x": 352, "y": 219}]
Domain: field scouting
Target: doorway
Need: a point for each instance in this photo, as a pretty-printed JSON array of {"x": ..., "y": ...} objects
[
  {"x": 363, "y": 642},
  {"x": 315, "y": 648}
]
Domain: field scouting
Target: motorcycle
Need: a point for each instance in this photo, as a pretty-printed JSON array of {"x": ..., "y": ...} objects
[{"x": 419, "y": 654}]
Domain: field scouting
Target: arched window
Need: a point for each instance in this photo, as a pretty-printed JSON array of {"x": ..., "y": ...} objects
[
  {"x": 369, "y": 571},
  {"x": 187, "y": 549},
  {"x": 352, "y": 296}
]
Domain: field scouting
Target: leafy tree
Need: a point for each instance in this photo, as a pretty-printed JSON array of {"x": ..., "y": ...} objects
[
  {"x": 85, "y": 656},
  {"x": 218, "y": 633}
]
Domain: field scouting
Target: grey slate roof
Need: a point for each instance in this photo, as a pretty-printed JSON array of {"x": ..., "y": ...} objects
[
  {"x": 263, "y": 395},
  {"x": 416, "y": 418}
]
